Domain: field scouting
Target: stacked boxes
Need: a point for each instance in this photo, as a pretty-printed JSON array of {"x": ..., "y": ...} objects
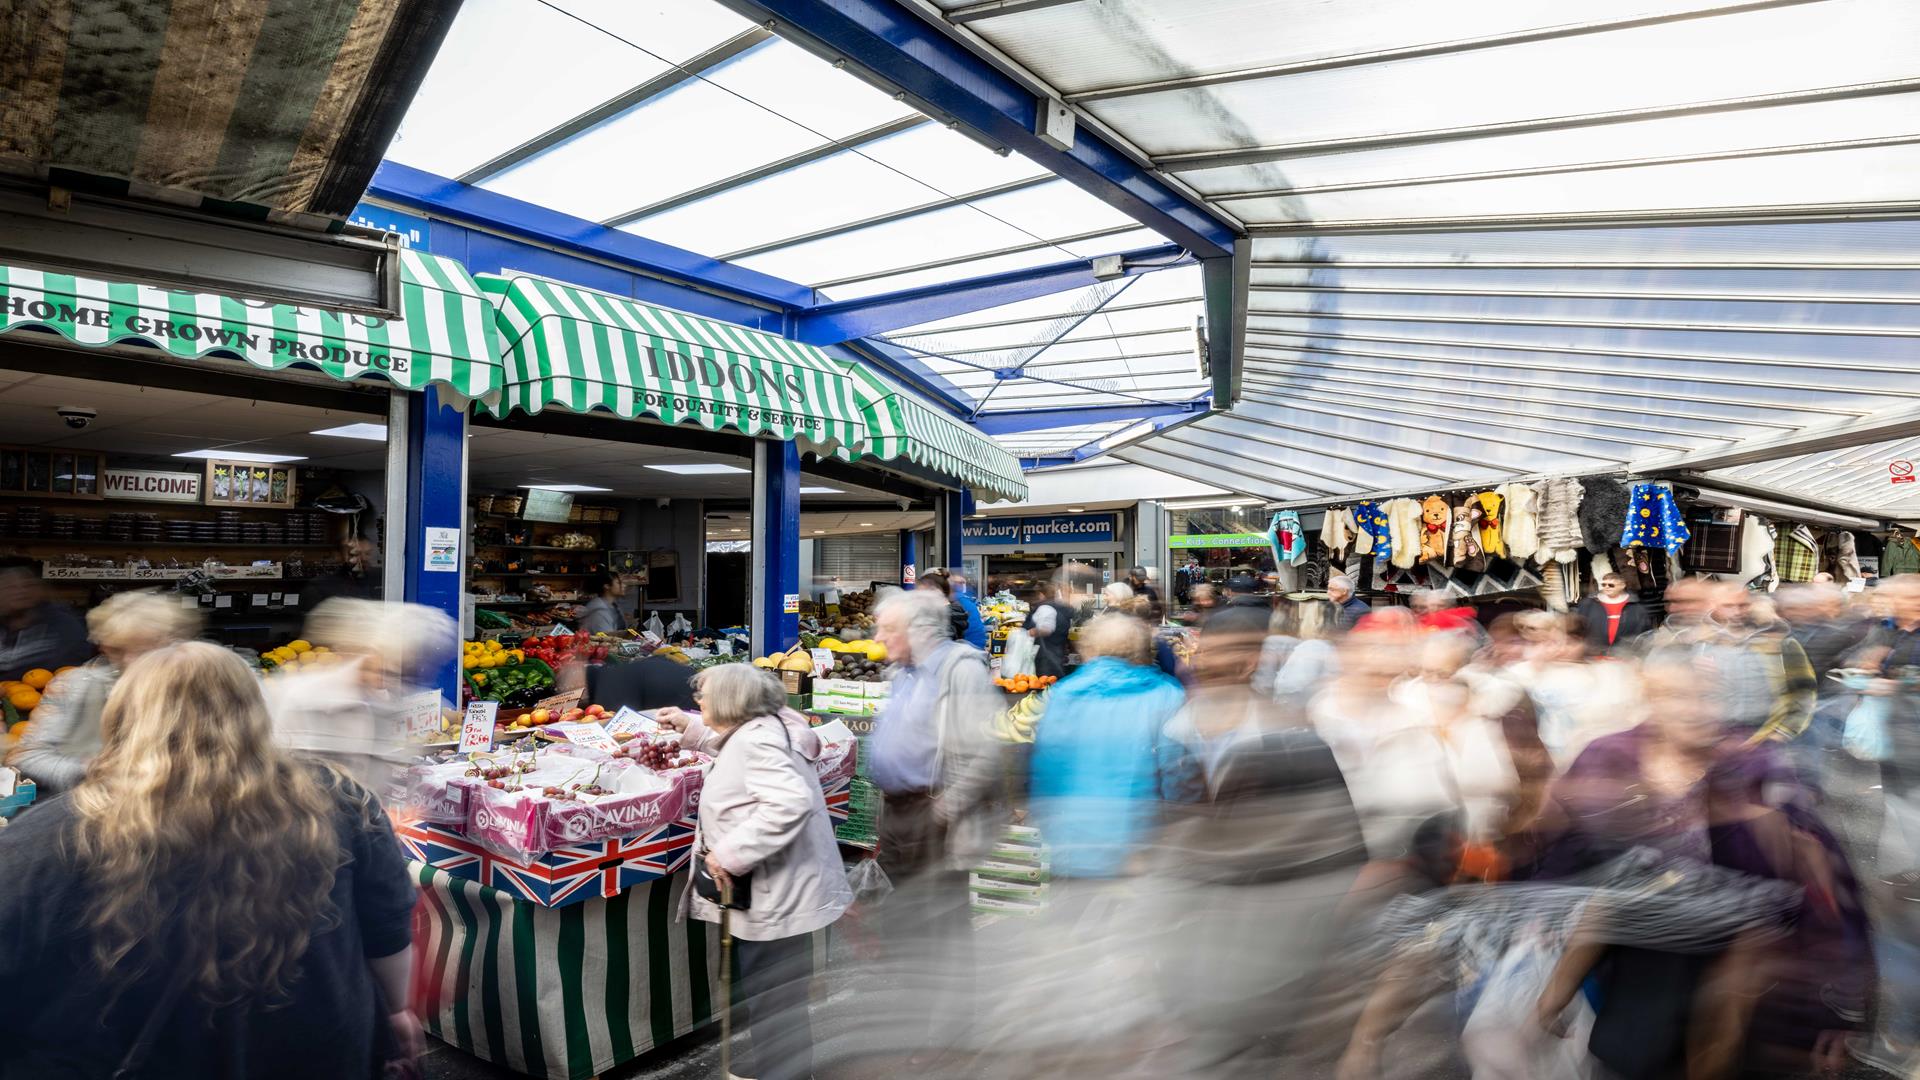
[
  {"x": 1013, "y": 878},
  {"x": 846, "y": 697}
]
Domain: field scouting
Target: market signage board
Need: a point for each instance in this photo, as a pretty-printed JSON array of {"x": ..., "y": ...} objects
[
  {"x": 149, "y": 486},
  {"x": 1038, "y": 531},
  {"x": 476, "y": 729},
  {"x": 1218, "y": 540}
]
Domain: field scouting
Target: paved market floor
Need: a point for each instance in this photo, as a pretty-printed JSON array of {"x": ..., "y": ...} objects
[{"x": 1423, "y": 1050}]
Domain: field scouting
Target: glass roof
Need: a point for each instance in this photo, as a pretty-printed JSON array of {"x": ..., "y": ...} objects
[{"x": 1507, "y": 238}]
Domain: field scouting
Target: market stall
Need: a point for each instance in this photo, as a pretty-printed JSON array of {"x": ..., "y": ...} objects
[{"x": 548, "y": 939}]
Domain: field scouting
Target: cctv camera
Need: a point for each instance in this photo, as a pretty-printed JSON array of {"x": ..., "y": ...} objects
[{"x": 76, "y": 416}]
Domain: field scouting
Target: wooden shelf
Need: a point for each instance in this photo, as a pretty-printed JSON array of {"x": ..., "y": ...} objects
[
  {"x": 524, "y": 603},
  {"x": 250, "y": 544},
  {"x": 537, "y": 547},
  {"x": 526, "y": 573}
]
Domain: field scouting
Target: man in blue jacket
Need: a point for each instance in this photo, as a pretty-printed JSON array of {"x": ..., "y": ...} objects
[{"x": 976, "y": 632}]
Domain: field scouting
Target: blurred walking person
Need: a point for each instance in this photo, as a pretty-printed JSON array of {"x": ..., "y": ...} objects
[
  {"x": 203, "y": 903},
  {"x": 763, "y": 827},
  {"x": 1051, "y": 623},
  {"x": 66, "y": 730},
  {"x": 936, "y": 763}
]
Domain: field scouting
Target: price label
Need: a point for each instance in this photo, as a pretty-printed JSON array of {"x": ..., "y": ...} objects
[
  {"x": 591, "y": 736},
  {"x": 476, "y": 730},
  {"x": 790, "y": 603},
  {"x": 560, "y": 703},
  {"x": 421, "y": 714},
  {"x": 651, "y": 638},
  {"x": 822, "y": 661},
  {"x": 629, "y": 722}
]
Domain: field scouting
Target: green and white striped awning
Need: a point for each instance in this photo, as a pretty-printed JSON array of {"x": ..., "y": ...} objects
[
  {"x": 445, "y": 334},
  {"x": 583, "y": 350},
  {"x": 901, "y": 427}
]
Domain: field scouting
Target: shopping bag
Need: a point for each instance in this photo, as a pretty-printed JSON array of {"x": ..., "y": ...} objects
[
  {"x": 1865, "y": 734},
  {"x": 1019, "y": 656}
]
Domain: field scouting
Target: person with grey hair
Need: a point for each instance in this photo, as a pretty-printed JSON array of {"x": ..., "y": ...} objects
[
  {"x": 66, "y": 732},
  {"x": 1348, "y": 608},
  {"x": 934, "y": 758},
  {"x": 762, "y": 814}
]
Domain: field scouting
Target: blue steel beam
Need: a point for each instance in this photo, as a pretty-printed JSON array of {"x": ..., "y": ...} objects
[
  {"x": 1014, "y": 421},
  {"x": 850, "y": 319},
  {"x": 899, "y": 48}
]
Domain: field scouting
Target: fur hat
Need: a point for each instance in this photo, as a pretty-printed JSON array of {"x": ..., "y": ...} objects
[{"x": 1603, "y": 512}]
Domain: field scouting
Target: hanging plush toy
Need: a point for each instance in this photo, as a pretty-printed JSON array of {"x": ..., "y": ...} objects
[
  {"x": 1436, "y": 518},
  {"x": 1491, "y": 541},
  {"x": 1466, "y": 532},
  {"x": 1407, "y": 534}
]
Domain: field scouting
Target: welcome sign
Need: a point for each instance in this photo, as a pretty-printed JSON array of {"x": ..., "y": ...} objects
[{"x": 1039, "y": 531}]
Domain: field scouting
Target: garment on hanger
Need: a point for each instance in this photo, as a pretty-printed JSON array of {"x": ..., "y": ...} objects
[
  {"x": 1755, "y": 569},
  {"x": 1403, "y": 529},
  {"x": 1373, "y": 521},
  {"x": 1715, "y": 544},
  {"x": 1521, "y": 529},
  {"x": 1491, "y": 524},
  {"x": 1337, "y": 529},
  {"x": 1796, "y": 554},
  {"x": 1901, "y": 555},
  {"x": 1560, "y": 520},
  {"x": 1840, "y": 555},
  {"x": 1653, "y": 520},
  {"x": 1288, "y": 540},
  {"x": 1603, "y": 512}
]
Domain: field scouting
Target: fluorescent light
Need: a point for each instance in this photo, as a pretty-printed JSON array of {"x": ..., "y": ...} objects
[
  {"x": 369, "y": 432},
  {"x": 819, "y": 532},
  {"x": 564, "y": 487},
  {"x": 1076, "y": 509},
  {"x": 821, "y": 491},
  {"x": 866, "y": 524},
  {"x": 697, "y": 470},
  {"x": 242, "y": 455}
]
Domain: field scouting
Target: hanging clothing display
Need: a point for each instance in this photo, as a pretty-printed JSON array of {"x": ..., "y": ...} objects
[
  {"x": 1560, "y": 520},
  {"x": 1902, "y": 555},
  {"x": 1653, "y": 520},
  {"x": 1436, "y": 525},
  {"x": 1373, "y": 521},
  {"x": 1714, "y": 547},
  {"x": 1403, "y": 528},
  {"x": 1520, "y": 530},
  {"x": 1337, "y": 530},
  {"x": 1796, "y": 554},
  {"x": 1603, "y": 512},
  {"x": 1755, "y": 569},
  {"x": 1490, "y": 525},
  {"x": 1288, "y": 541},
  {"x": 1840, "y": 555}
]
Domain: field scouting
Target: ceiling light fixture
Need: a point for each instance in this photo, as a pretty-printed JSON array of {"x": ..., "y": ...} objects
[
  {"x": 866, "y": 524},
  {"x": 819, "y": 532},
  {"x": 369, "y": 432},
  {"x": 1076, "y": 509},
  {"x": 564, "y": 487},
  {"x": 821, "y": 491},
  {"x": 242, "y": 455},
  {"x": 697, "y": 470}
]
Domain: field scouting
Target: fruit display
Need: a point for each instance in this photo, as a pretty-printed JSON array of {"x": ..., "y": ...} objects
[
  {"x": 19, "y": 697},
  {"x": 297, "y": 653},
  {"x": 508, "y": 676},
  {"x": 559, "y": 650},
  {"x": 857, "y": 667},
  {"x": 798, "y": 658},
  {"x": 660, "y": 755},
  {"x": 1024, "y": 684},
  {"x": 532, "y": 718}
]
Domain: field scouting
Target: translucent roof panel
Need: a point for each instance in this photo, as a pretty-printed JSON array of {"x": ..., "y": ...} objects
[{"x": 1857, "y": 477}]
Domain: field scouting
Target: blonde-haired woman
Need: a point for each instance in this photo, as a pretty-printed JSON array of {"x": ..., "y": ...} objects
[
  {"x": 65, "y": 733},
  {"x": 762, "y": 813},
  {"x": 203, "y": 904}
]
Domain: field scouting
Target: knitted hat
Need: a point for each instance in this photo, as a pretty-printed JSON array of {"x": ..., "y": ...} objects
[{"x": 1603, "y": 511}]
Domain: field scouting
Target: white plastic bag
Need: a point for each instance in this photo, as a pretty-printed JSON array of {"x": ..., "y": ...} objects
[
  {"x": 1019, "y": 657},
  {"x": 656, "y": 627},
  {"x": 680, "y": 625},
  {"x": 869, "y": 883}
]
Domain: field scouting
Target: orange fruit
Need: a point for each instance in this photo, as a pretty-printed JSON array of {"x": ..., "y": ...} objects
[
  {"x": 57, "y": 672},
  {"x": 19, "y": 730},
  {"x": 38, "y": 678},
  {"x": 24, "y": 699}
]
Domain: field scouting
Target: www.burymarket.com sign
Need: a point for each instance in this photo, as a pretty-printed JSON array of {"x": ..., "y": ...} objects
[{"x": 1038, "y": 531}]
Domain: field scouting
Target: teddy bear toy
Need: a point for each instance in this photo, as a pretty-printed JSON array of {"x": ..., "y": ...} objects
[{"x": 1436, "y": 520}]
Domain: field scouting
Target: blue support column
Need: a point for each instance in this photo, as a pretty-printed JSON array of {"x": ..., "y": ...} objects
[
  {"x": 909, "y": 558},
  {"x": 436, "y": 499},
  {"x": 953, "y": 515},
  {"x": 776, "y": 546}
]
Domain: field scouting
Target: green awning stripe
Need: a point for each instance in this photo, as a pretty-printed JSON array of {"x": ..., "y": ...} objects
[
  {"x": 900, "y": 427},
  {"x": 444, "y": 335},
  {"x": 581, "y": 349}
]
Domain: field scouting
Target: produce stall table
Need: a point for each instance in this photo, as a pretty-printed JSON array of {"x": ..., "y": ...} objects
[{"x": 566, "y": 964}]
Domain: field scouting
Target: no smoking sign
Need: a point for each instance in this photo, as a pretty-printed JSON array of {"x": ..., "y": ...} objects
[{"x": 1900, "y": 471}]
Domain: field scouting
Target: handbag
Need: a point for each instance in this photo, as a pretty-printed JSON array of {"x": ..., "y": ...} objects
[{"x": 738, "y": 895}]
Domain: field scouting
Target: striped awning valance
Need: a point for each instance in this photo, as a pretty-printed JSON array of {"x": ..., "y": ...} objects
[
  {"x": 581, "y": 350},
  {"x": 900, "y": 427},
  {"x": 445, "y": 334}
]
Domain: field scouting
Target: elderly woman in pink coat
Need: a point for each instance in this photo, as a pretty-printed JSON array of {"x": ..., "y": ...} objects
[{"x": 763, "y": 825}]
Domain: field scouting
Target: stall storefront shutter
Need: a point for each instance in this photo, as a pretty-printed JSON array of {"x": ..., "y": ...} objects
[
  {"x": 583, "y": 350},
  {"x": 446, "y": 333},
  {"x": 901, "y": 428},
  {"x": 859, "y": 560}
]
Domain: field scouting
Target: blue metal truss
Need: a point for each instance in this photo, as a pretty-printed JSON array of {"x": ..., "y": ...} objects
[
  {"x": 901, "y": 49},
  {"x": 1013, "y": 421}
]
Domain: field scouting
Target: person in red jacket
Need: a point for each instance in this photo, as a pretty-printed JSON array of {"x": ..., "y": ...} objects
[{"x": 1613, "y": 617}]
